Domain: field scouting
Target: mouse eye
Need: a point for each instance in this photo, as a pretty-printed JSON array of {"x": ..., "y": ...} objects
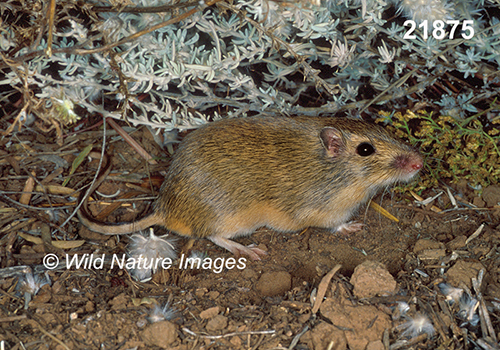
[{"x": 365, "y": 149}]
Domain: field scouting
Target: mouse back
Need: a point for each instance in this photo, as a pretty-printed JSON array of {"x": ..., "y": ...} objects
[{"x": 232, "y": 176}]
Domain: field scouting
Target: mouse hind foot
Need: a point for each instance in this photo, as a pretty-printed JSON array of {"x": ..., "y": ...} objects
[{"x": 237, "y": 249}]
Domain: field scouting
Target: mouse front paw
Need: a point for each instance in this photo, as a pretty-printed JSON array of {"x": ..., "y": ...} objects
[
  {"x": 251, "y": 251},
  {"x": 349, "y": 227}
]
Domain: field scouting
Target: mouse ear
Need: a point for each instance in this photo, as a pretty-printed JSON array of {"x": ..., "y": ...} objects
[{"x": 331, "y": 139}]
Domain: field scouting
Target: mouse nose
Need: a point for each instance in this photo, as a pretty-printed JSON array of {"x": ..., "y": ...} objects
[
  {"x": 416, "y": 164},
  {"x": 409, "y": 162}
]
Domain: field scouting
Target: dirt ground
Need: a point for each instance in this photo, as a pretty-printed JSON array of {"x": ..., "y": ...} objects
[{"x": 268, "y": 304}]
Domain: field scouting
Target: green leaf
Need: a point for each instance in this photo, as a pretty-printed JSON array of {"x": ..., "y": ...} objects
[{"x": 78, "y": 160}]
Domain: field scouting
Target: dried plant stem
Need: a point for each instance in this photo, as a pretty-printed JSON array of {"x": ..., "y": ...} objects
[
  {"x": 50, "y": 14},
  {"x": 77, "y": 50},
  {"x": 133, "y": 143},
  {"x": 187, "y": 330},
  {"x": 307, "y": 70},
  {"x": 145, "y": 9}
]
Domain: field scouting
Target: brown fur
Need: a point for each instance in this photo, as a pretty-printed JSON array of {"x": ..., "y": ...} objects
[{"x": 232, "y": 176}]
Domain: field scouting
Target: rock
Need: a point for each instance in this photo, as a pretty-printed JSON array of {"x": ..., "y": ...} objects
[
  {"x": 478, "y": 202},
  {"x": 119, "y": 302},
  {"x": 217, "y": 323},
  {"x": 274, "y": 283},
  {"x": 457, "y": 243},
  {"x": 325, "y": 334},
  {"x": 429, "y": 251},
  {"x": 236, "y": 342},
  {"x": 363, "y": 323},
  {"x": 213, "y": 295},
  {"x": 463, "y": 271},
  {"x": 496, "y": 213},
  {"x": 375, "y": 345},
  {"x": 209, "y": 313},
  {"x": 426, "y": 244},
  {"x": 161, "y": 334},
  {"x": 431, "y": 256},
  {"x": 42, "y": 297},
  {"x": 491, "y": 195},
  {"x": 371, "y": 278}
]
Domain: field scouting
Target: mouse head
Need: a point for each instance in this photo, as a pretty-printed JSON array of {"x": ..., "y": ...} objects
[{"x": 371, "y": 155}]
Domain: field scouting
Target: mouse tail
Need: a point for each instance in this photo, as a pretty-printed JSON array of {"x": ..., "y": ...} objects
[{"x": 108, "y": 228}]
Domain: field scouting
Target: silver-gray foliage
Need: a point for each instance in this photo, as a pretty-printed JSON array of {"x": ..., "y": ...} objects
[{"x": 245, "y": 57}]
